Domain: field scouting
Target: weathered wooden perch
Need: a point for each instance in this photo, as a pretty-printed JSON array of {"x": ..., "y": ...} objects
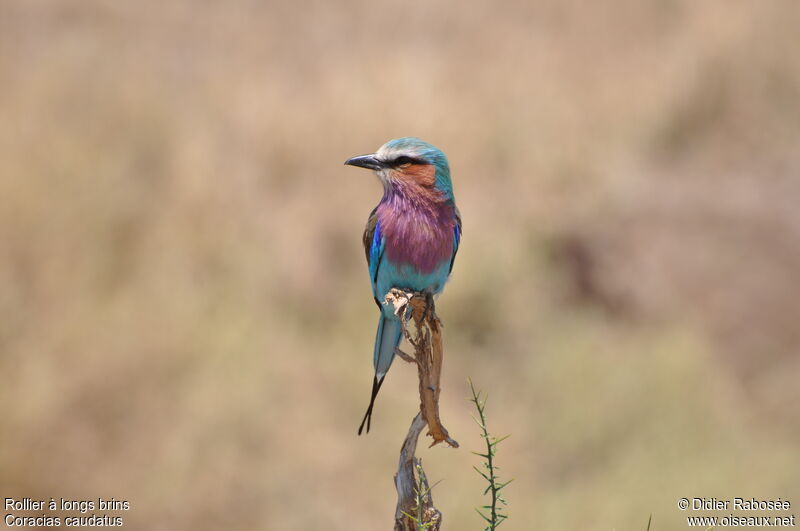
[
  {"x": 413, "y": 495},
  {"x": 428, "y": 354}
]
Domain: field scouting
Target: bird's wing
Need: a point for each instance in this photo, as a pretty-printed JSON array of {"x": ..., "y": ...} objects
[
  {"x": 456, "y": 239},
  {"x": 373, "y": 248}
]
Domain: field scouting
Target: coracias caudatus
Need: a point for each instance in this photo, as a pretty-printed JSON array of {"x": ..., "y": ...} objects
[{"x": 411, "y": 237}]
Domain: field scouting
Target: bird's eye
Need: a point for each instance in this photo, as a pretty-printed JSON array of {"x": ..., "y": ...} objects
[{"x": 403, "y": 160}]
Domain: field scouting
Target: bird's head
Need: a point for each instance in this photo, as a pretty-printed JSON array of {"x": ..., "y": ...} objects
[{"x": 409, "y": 160}]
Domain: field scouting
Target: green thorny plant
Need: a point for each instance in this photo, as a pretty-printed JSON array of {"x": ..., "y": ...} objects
[
  {"x": 421, "y": 491},
  {"x": 491, "y": 513}
]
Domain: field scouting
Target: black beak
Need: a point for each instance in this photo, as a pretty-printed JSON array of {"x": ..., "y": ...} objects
[{"x": 365, "y": 161}]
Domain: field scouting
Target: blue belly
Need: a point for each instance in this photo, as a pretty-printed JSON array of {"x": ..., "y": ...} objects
[{"x": 408, "y": 278}]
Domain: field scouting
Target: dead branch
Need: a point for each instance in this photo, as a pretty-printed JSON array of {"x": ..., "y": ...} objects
[
  {"x": 428, "y": 354},
  {"x": 415, "y": 507},
  {"x": 414, "y": 498}
]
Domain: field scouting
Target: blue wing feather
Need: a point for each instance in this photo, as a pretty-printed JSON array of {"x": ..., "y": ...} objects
[
  {"x": 373, "y": 248},
  {"x": 375, "y": 254}
]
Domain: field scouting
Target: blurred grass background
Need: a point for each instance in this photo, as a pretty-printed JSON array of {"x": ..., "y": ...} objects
[{"x": 185, "y": 314}]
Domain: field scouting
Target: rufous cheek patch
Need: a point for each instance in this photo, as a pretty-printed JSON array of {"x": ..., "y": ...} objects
[{"x": 424, "y": 174}]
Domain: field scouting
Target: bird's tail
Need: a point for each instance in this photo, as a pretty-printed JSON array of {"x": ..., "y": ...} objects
[{"x": 387, "y": 339}]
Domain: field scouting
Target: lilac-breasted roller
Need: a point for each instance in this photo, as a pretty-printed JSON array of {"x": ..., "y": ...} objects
[{"x": 411, "y": 237}]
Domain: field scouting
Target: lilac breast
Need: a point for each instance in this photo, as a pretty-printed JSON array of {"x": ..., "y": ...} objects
[{"x": 417, "y": 231}]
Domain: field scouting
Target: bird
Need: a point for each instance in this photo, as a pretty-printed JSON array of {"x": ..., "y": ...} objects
[{"x": 411, "y": 239}]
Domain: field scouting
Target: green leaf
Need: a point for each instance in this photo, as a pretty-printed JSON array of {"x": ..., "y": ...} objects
[
  {"x": 502, "y": 485},
  {"x": 482, "y": 474}
]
